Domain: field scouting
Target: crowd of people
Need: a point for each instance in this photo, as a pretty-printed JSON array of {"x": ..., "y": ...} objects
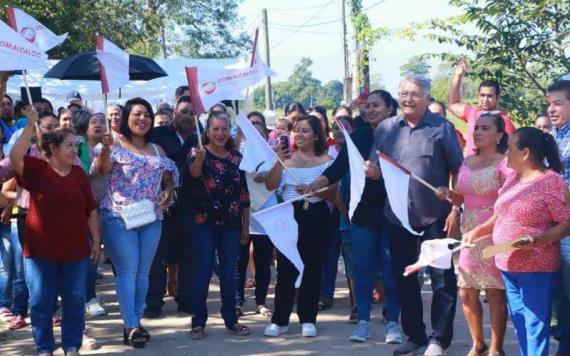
[{"x": 161, "y": 194}]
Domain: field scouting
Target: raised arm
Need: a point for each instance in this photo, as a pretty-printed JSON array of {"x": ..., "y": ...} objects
[
  {"x": 273, "y": 178},
  {"x": 454, "y": 99},
  {"x": 21, "y": 146},
  {"x": 103, "y": 163}
]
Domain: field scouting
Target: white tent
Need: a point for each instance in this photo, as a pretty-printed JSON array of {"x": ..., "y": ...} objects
[{"x": 155, "y": 91}]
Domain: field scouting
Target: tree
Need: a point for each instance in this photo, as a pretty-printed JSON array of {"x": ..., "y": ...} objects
[
  {"x": 147, "y": 27},
  {"x": 416, "y": 65},
  {"x": 521, "y": 44},
  {"x": 332, "y": 91}
]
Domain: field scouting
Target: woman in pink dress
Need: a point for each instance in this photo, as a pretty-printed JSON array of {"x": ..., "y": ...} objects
[
  {"x": 532, "y": 214},
  {"x": 480, "y": 177}
]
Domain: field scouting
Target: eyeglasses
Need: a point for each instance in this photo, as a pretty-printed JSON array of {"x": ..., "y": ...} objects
[{"x": 411, "y": 94}]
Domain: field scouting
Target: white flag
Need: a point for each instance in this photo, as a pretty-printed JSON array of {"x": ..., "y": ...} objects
[
  {"x": 209, "y": 86},
  {"x": 114, "y": 65},
  {"x": 257, "y": 151},
  {"x": 357, "y": 174},
  {"x": 33, "y": 31},
  {"x": 280, "y": 225},
  {"x": 434, "y": 253},
  {"x": 16, "y": 53},
  {"x": 397, "y": 182}
]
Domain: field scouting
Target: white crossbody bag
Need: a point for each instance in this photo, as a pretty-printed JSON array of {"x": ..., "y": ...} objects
[{"x": 139, "y": 213}]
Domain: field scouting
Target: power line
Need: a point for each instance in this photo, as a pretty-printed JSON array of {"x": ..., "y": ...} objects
[
  {"x": 301, "y": 26},
  {"x": 298, "y": 8},
  {"x": 311, "y": 32},
  {"x": 336, "y": 19}
]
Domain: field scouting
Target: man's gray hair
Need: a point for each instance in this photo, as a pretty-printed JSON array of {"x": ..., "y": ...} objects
[{"x": 419, "y": 80}]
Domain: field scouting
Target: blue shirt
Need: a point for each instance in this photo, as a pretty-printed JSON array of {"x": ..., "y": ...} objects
[
  {"x": 562, "y": 136},
  {"x": 431, "y": 151}
]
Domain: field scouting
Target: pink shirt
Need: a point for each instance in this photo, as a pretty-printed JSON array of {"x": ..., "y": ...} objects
[
  {"x": 530, "y": 208},
  {"x": 470, "y": 116}
]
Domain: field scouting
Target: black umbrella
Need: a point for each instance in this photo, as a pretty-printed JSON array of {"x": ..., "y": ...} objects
[{"x": 85, "y": 66}]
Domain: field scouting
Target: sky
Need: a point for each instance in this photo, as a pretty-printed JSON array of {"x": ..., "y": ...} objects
[{"x": 320, "y": 39}]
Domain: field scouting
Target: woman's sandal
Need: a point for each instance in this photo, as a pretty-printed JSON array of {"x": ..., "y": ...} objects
[
  {"x": 240, "y": 329},
  {"x": 134, "y": 338},
  {"x": 197, "y": 333},
  {"x": 478, "y": 351},
  {"x": 263, "y": 310},
  {"x": 496, "y": 353},
  {"x": 144, "y": 333}
]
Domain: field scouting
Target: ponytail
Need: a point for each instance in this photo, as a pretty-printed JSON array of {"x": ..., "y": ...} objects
[
  {"x": 552, "y": 154},
  {"x": 542, "y": 146}
]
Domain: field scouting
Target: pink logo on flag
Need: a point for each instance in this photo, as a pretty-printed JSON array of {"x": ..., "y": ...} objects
[
  {"x": 208, "y": 88},
  {"x": 29, "y": 34}
]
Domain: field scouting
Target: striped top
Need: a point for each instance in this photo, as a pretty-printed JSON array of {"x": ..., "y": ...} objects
[{"x": 305, "y": 175}]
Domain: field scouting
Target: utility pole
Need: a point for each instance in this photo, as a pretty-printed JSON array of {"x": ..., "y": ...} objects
[
  {"x": 268, "y": 90},
  {"x": 346, "y": 80}
]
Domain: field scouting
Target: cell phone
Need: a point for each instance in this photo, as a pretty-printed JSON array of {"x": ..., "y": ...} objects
[{"x": 284, "y": 140}]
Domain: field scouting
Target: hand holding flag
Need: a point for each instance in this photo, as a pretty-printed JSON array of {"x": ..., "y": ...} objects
[{"x": 435, "y": 253}]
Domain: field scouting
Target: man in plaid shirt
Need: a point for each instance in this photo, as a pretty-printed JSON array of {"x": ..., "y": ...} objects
[{"x": 558, "y": 99}]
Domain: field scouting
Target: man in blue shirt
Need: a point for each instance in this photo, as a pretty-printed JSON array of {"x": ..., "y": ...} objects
[
  {"x": 558, "y": 100},
  {"x": 426, "y": 144}
]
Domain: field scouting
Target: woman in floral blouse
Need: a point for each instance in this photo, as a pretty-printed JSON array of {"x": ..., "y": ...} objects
[
  {"x": 220, "y": 218},
  {"x": 136, "y": 170}
]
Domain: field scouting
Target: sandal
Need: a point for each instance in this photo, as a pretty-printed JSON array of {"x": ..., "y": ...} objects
[
  {"x": 197, "y": 333},
  {"x": 144, "y": 333},
  {"x": 263, "y": 310},
  {"x": 250, "y": 283},
  {"x": 240, "y": 329},
  {"x": 6, "y": 314},
  {"x": 496, "y": 353},
  {"x": 134, "y": 338},
  {"x": 478, "y": 351},
  {"x": 17, "y": 322}
]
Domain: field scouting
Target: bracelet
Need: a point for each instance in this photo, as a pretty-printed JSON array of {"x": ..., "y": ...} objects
[{"x": 457, "y": 208}]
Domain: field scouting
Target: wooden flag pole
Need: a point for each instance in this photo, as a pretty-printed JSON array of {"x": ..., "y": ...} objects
[{"x": 29, "y": 94}]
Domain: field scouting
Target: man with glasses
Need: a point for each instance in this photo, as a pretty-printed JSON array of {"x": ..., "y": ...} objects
[
  {"x": 426, "y": 144},
  {"x": 487, "y": 100},
  {"x": 177, "y": 140},
  {"x": 558, "y": 109}
]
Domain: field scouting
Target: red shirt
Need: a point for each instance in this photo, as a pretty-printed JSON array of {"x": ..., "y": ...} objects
[
  {"x": 470, "y": 116},
  {"x": 56, "y": 226}
]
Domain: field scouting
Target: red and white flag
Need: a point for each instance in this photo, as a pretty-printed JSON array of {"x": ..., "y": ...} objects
[
  {"x": 209, "y": 86},
  {"x": 32, "y": 30},
  {"x": 256, "y": 59},
  {"x": 18, "y": 54},
  {"x": 397, "y": 182},
  {"x": 435, "y": 253},
  {"x": 357, "y": 173},
  {"x": 281, "y": 227},
  {"x": 113, "y": 64}
]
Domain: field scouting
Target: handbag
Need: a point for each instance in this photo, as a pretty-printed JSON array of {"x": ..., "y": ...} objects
[{"x": 139, "y": 213}]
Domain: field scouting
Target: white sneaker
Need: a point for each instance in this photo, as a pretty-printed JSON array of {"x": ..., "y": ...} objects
[
  {"x": 274, "y": 330},
  {"x": 309, "y": 330},
  {"x": 392, "y": 332},
  {"x": 93, "y": 308}
]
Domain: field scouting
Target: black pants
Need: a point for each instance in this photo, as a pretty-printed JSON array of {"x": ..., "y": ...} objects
[
  {"x": 404, "y": 248},
  {"x": 262, "y": 253},
  {"x": 313, "y": 240},
  {"x": 175, "y": 230}
]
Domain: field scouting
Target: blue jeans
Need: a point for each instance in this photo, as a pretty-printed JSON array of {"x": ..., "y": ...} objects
[
  {"x": 370, "y": 249},
  {"x": 45, "y": 279},
  {"x": 262, "y": 254},
  {"x": 206, "y": 240},
  {"x": 13, "y": 290},
  {"x": 529, "y": 297},
  {"x": 132, "y": 252},
  {"x": 562, "y": 299},
  {"x": 330, "y": 264}
]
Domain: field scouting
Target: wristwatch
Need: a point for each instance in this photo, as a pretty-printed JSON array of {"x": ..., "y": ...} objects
[{"x": 457, "y": 208}]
